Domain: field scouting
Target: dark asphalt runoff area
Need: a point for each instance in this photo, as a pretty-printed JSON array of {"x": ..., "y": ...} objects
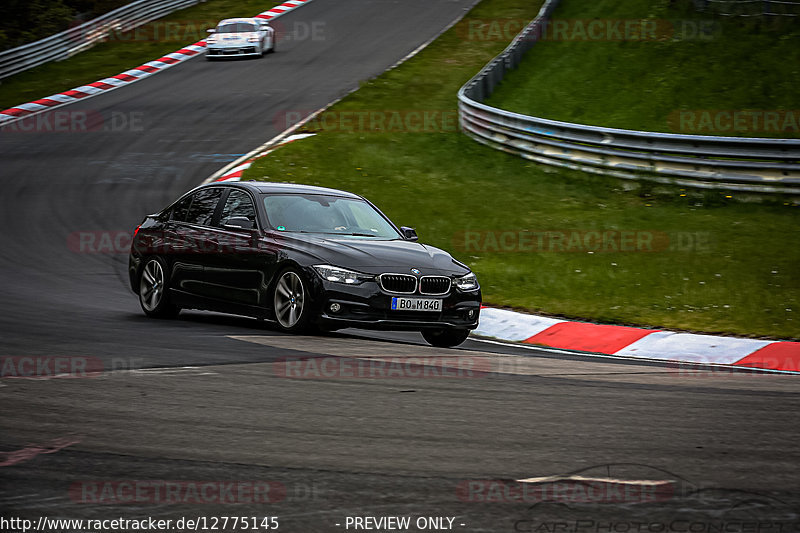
[{"x": 210, "y": 416}]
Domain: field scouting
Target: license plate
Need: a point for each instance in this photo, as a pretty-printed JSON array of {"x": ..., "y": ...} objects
[{"x": 417, "y": 304}]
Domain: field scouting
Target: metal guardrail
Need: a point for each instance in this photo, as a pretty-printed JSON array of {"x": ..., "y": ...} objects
[
  {"x": 730, "y": 163},
  {"x": 69, "y": 42}
]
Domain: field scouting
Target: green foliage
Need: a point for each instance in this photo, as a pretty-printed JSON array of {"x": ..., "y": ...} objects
[{"x": 26, "y": 21}]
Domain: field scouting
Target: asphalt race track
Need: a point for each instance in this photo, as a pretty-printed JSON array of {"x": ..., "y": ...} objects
[{"x": 212, "y": 400}]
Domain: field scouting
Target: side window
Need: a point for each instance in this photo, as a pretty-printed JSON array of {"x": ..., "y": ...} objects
[
  {"x": 238, "y": 204},
  {"x": 202, "y": 209},
  {"x": 181, "y": 209}
]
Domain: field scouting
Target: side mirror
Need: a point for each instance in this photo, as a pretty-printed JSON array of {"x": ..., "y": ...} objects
[
  {"x": 410, "y": 234},
  {"x": 238, "y": 223},
  {"x": 211, "y": 30}
]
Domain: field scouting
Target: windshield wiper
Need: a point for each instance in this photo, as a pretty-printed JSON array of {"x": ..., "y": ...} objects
[{"x": 343, "y": 234}]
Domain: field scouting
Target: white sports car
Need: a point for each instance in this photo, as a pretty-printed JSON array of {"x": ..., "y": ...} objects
[{"x": 240, "y": 37}]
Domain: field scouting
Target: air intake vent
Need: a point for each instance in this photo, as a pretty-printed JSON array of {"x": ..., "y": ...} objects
[
  {"x": 434, "y": 285},
  {"x": 398, "y": 283}
]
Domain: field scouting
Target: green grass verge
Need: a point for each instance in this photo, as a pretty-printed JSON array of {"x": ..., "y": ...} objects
[
  {"x": 735, "y": 271},
  {"x": 125, "y": 51},
  {"x": 738, "y": 64}
]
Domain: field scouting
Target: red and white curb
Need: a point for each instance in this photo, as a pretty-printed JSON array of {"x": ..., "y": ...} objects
[
  {"x": 129, "y": 76},
  {"x": 629, "y": 342},
  {"x": 235, "y": 173}
]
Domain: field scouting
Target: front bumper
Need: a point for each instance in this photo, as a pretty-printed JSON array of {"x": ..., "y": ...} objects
[
  {"x": 249, "y": 49},
  {"x": 367, "y": 306}
]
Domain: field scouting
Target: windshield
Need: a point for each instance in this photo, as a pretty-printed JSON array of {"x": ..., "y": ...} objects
[
  {"x": 330, "y": 215},
  {"x": 236, "y": 27}
]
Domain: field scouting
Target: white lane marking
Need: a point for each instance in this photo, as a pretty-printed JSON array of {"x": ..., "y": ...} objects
[
  {"x": 267, "y": 147},
  {"x": 228, "y": 174},
  {"x": 184, "y": 370},
  {"x": 615, "y": 481}
]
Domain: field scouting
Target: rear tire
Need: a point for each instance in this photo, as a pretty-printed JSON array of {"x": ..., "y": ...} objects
[
  {"x": 154, "y": 290},
  {"x": 445, "y": 338}
]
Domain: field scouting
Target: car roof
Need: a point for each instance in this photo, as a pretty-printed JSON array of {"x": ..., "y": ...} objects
[
  {"x": 289, "y": 188},
  {"x": 239, "y": 19}
]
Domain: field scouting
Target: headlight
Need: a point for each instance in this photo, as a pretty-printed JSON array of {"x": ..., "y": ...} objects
[
  {"x": 467, "y": 283},
  {"x": 252, "y": 39},
  {"x": 340, "y": 275}
]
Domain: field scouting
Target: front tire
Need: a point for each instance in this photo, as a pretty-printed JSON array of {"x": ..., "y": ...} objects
[
  {"x": 154, "y": 290},
  {"x": 445, "y": 338},
  {"x": 291, "y": 302}
]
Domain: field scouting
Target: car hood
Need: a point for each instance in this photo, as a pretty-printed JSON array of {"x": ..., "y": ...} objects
[
  {"x": 374, "y": 256},
  {"x": 234, "y": 36}
]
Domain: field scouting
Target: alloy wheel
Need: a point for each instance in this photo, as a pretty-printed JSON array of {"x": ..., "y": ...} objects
[
  {"x": 151, "y": 288},
  {"x": 289, "y": 300}
]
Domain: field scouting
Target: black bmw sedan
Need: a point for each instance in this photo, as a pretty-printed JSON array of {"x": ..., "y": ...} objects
[{"x": 304, "y": 257}]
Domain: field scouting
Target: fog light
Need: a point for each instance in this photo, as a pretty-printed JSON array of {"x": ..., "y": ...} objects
[
  {"x": 471, "y": 314},
  {"x": 335, "y": 308}
]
